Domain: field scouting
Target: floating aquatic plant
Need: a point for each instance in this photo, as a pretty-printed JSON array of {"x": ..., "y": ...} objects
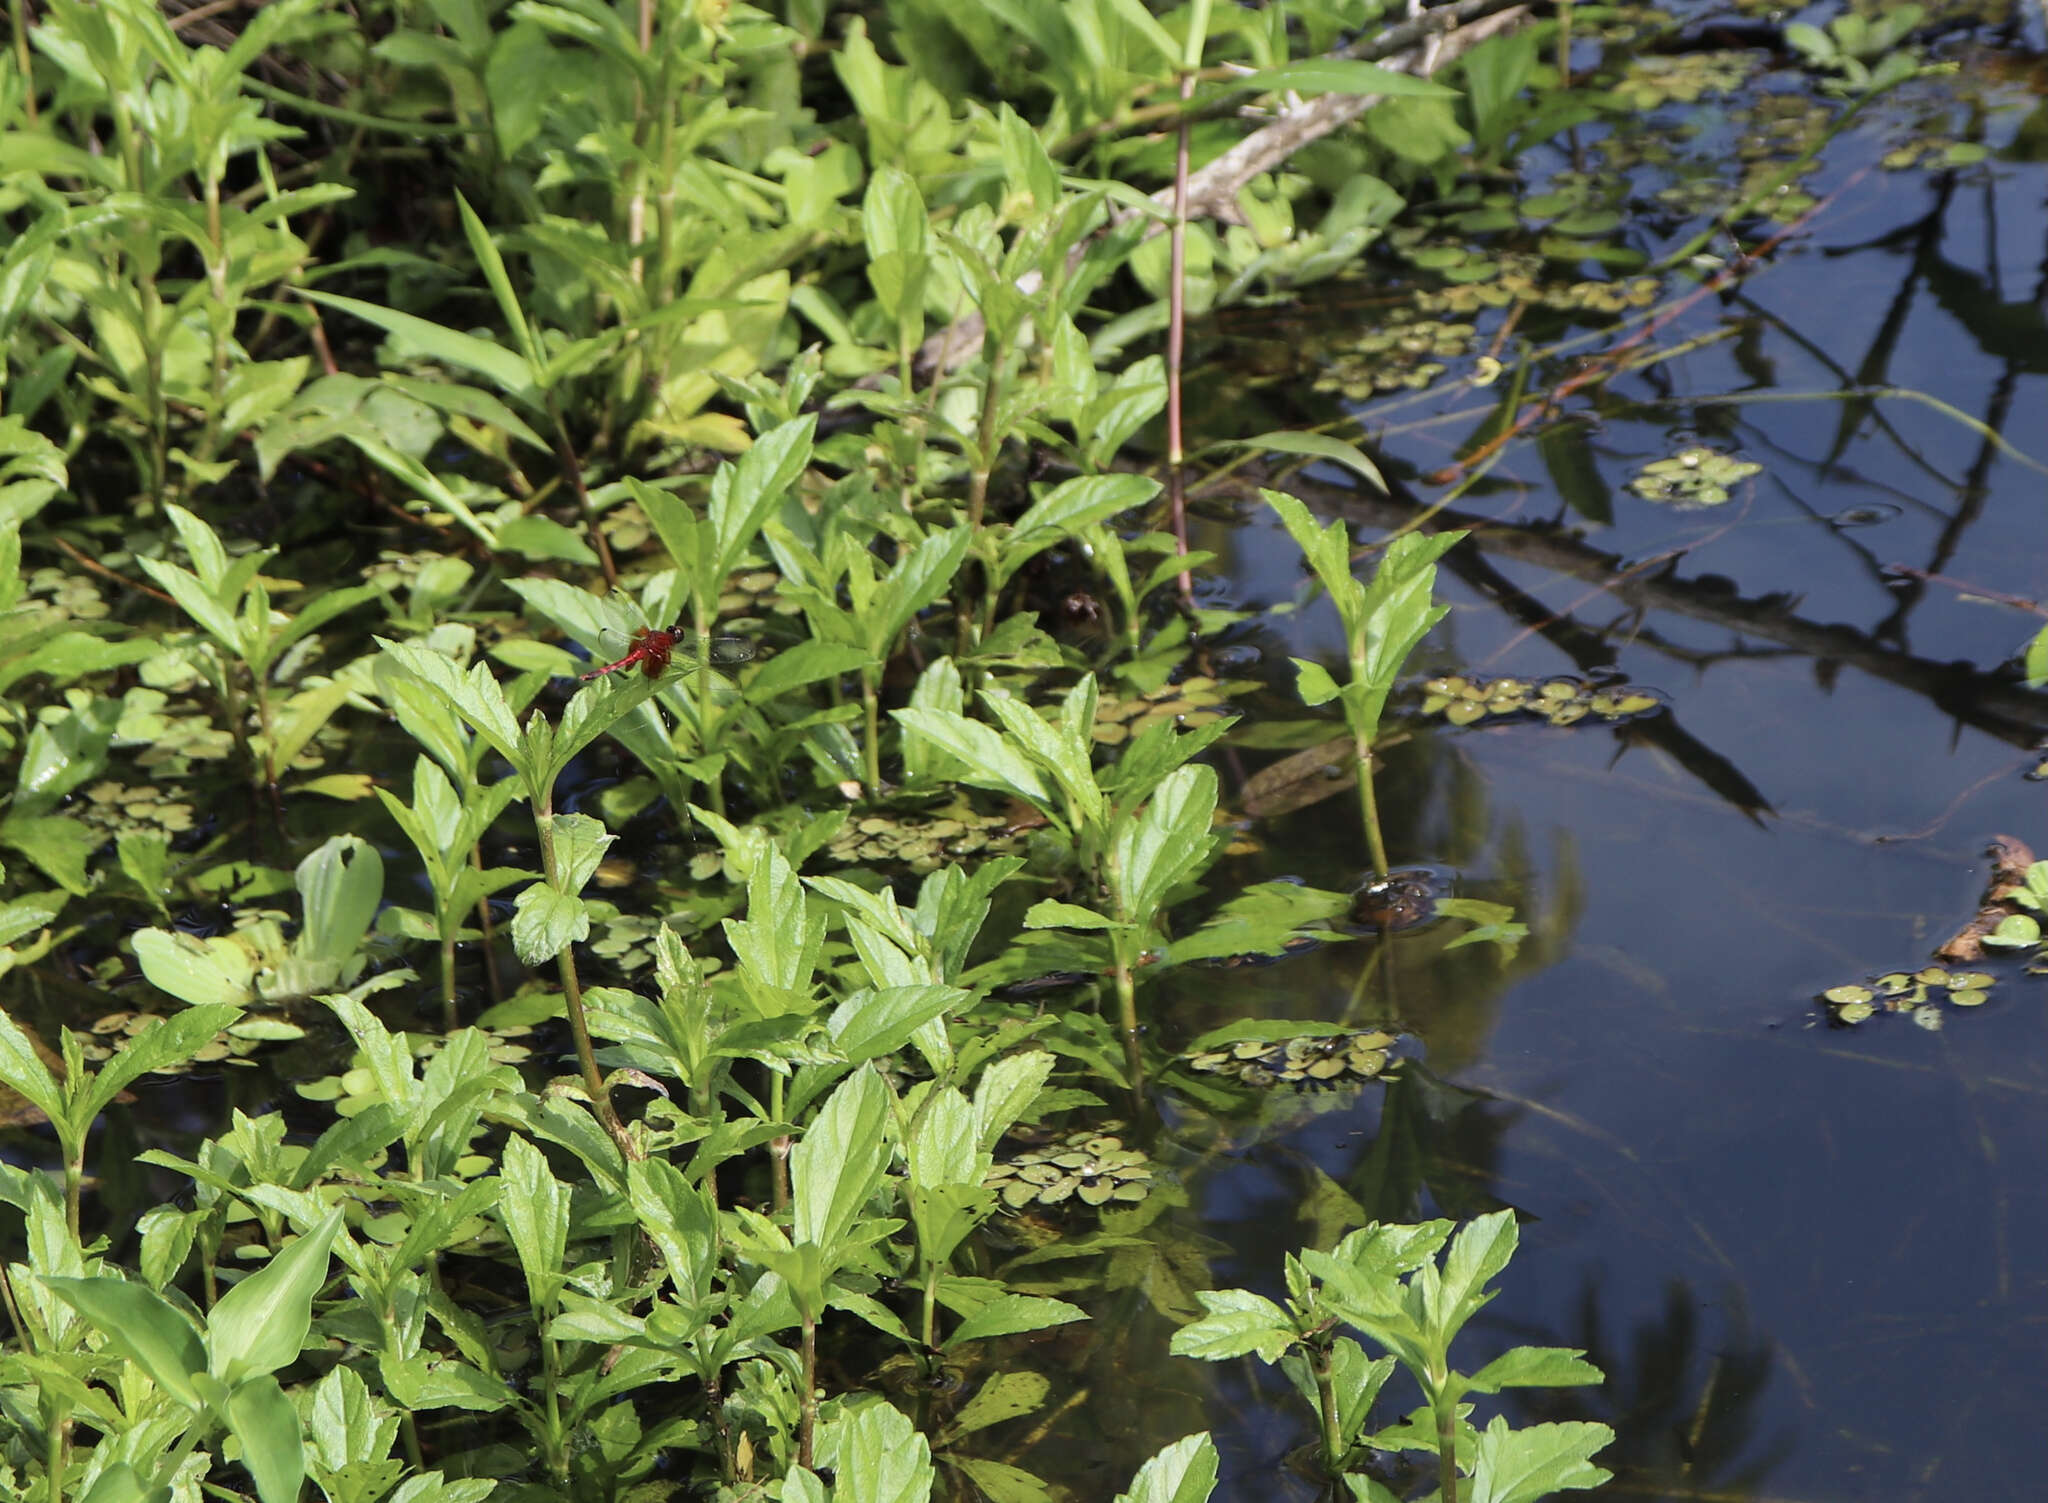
[
  {"x": 1693, "y": 477},
  {"x": 1091, "y": 1165}
]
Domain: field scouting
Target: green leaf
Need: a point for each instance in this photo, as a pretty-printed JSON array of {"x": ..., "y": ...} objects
[
  {"x": 544, "y": 537},
  {"x": 121, "y": 1483},
  {"x": 546, "y": 921},
  {"x": 1313, "y": 683},
  {"x": 2037, "y": 660},
  {"x": 273, "y": 1450},
  {"x": 1478, "y": 1253},
  {"x": 142, "y": 1326},
  {"x": 1327, "y": 549},
  {"x": 1051, "y": 913},
  {"x": 2015, "y": 930},
  {"x": 1185, "y": 1472},
  {"x": 1066, "y": 509},
  {"x": 744, "y": 494},
  {"x": 259, "y": 1325},
  {"x": 1002, "y": 1483},
  {"x": 145, "y": 857},
  {"x": 1238, "y": 1321},
  {"x": 507, "y": 369},
  {"x": 1004, "y": 1397},
  {"x": 23, "y": 1071},
  {"x": 1339, "y": 75},
  {"x": 194, "y": 970},
  {"x": 535, "y": 1211},
  {"x": 170, "y": 1042},
  {"x": 59, "y": 846},
  {"x": 1167, "y": 843},
  {"x": 1520, "y": 1466},
  {"x": 476, "y": 696},
  {"x": 1535, "y": 1367},
  {"x": 920, "y": 576},
  {"x": 839, "y": 1160},
  {"x": 1011, "y": 1314},
  {"x": 990, "y": 761},
  {"x": 493, "y": 265},
  {"x": 882, "y": 1458},
  {"x": 342, "y": 883},
  {"x": 1313, "y": 446},
  {"x": 871, "y": 1023}
]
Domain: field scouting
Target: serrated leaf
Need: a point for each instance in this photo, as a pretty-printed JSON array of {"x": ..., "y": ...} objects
[
  {"x": 1536, "y": 1367},
  {"x": 1238, "y": 1321},
  {"x": 1521, "y": 1466}
]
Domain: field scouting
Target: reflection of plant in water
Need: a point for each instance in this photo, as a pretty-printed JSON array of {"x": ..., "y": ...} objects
[{"x": 1688, "y": 1406}]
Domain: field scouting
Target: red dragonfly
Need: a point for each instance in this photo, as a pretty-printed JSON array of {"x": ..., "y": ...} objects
[{"x": 652, "y": 648}]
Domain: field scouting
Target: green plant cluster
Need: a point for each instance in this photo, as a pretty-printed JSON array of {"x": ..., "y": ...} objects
[{"x": 370, "y": 375}]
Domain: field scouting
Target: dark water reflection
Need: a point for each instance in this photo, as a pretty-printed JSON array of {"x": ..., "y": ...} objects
[{"x": 1810, "y": 1259}]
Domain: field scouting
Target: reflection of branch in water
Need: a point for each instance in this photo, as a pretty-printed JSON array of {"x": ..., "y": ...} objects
[
  {"x": 1988, "y": 702},
  {"x": 1592, "y": 652},
  {"x": 1883, "y": 424}
]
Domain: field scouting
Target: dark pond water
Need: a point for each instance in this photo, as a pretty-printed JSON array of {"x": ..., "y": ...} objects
[{"x": 1810, "y": 1258}]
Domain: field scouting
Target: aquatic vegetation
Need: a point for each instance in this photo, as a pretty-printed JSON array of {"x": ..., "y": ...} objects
[
  {"x": 1464, "y": 699},
  {"x": 1385, "y": 1283},
  {"x": 1305, "y": 1060},
  {"x": 362, "y": 385},
  {"x": 1693, "y": 477}
]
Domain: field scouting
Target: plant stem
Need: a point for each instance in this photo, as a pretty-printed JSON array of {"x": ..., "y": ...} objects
[
  {"x": 807, "y": 1426},
  {"x": 551, "y": 1377},
  {"x": 1326, "y": 1394},
  {"x": 1127, "y": 1023},
  {"x": 484, "y": 925},
  {"x": 1369, "y": 802},
  {"x": 74, "y": 1184},
  {"x": 449, "y": 1022},
  {"x": 600, "y": 1095},
  {"x": 778, "y": 1151},
  {"x": 1176, "y": 342},
  {"x": 931, "y": 1309},
  {"x": 572, "y": 997},
  {"x": 871, "y": 744},
  {"x": 1447, "y": 1448},
  {"x": 987, "y": 446},
  {"x": 23, "y": 59},
  {"x": 56, "y": 1441}
]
